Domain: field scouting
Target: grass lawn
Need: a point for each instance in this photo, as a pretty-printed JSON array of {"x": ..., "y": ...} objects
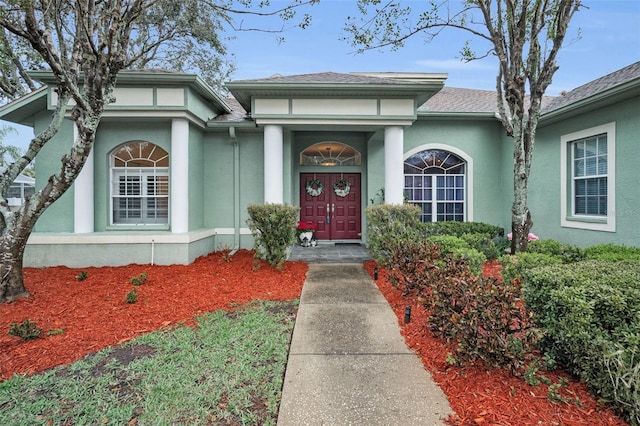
[{"x": 226, "y": 370}]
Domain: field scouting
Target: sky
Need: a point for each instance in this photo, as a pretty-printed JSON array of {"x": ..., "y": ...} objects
[
  {"x": 603, "y": 37},
  {"x": 609, "y": 40}
]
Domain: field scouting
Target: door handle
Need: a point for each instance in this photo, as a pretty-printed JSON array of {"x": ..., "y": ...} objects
[
  {"x": 328, "y": 216},
  {"x": 333, "y": 210}
]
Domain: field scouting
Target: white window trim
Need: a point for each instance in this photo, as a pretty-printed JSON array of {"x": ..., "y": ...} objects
[
  {"x": 469, "y": 189},
  {"x": 595, "y": 223},
  {"x": 143, "y": 172}
]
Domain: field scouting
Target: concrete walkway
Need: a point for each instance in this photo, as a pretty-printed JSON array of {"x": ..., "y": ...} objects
[{"x": 348, "y": 363}]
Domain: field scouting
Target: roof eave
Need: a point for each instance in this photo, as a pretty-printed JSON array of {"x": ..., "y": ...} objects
[
  {"x": 608, "y": 96},
  {"x": 245, "y": 124},
  {"x": 162, "y": 78},
  {"x": 452, "y": 115},
  {"x": 244, "y": 91},
  {"x": 21, "y": 110}
]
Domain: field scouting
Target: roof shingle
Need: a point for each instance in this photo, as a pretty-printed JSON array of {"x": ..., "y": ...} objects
[{"x": 596, "y": 86}]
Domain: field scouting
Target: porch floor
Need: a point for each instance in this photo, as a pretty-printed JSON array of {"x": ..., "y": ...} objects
[{"x": 326, "y": 252}]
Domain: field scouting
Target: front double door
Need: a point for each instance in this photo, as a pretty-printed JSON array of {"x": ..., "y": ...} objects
[{"x": 333, "y": 202}]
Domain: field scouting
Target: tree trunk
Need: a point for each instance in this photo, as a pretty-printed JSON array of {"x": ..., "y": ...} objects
[
  {"x": 520, "y": 214},
  {"x": 12, "y": 244}
]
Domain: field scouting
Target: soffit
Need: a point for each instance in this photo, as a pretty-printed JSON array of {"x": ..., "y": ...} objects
[{"x": 22, "y": 110}]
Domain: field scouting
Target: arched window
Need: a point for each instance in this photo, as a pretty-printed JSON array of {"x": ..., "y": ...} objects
[
  {"x": 330, "y": 154},
  {"x": 139, "y": 184},
  {"x": 435, "y": 180}
]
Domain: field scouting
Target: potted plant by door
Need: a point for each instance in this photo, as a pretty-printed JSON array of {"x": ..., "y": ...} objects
[{"x": 305, "y": 230}]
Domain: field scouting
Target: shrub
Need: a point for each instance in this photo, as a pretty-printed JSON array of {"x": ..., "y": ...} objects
[
  {"x": 492, "y": 247},
  {"x": 487, "y": 318},
  {"x": 389, "y": 227},
  {"x": 410, "y": 264},
  {"x": 567, "y": 252},
  {"x": 82, "y": 276},
  {"x": 273, "y": 227},
  {"x": 458, "y": 248},
  {"x": 459, "y": 229},
  {"x": 27, "y": 330},
  {"x": 513, "y": 266},
  {"x": 138, "y": 279},
  {"x": 612, "y": 252},
  {"x": 132, "y": 296},
  {"x": 589, "y": 312}
]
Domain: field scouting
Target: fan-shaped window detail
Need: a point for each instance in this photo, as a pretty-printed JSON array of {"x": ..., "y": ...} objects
[
  {"x": 435, "y": 180},
  {"x": 330, "y": 154},
  {"x": 139, "y": 184}
]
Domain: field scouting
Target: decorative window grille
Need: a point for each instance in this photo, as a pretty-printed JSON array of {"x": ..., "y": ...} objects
[
  {"x": 330, "y": 154},
  {"x": 435, "y": 181},
  {"x": 140, "y": 184}
]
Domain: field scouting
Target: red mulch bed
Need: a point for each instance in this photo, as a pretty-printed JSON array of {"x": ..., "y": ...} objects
[
  {"x": 482, "y": 396},
  {"x": 93, "y": 313}
]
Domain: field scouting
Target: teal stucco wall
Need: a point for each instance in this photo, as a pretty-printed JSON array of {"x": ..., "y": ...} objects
[
  {"x": 59, "y": 216},
  {"x": 480, "y": 142},
  {"x": 546, "y": 180}
]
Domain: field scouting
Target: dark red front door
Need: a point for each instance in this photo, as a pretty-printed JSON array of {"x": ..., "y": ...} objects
[{"x": 336, "y": 211}]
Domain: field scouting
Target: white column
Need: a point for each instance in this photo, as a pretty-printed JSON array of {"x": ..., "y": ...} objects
[
  {"x": 83, "y": 197},
  {"x": 273, "y": 165},
  {"x": 179, "y": 175},
  {"x": 393, "y": 165}
]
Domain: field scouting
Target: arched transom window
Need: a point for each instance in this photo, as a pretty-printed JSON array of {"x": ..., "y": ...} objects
[
  {"x": 139, "y": 184},
  {"x": 435, "y": 180},
  {"x": 330, "y": 154}
]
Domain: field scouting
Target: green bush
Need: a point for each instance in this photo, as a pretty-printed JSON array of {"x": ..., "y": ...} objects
[
  {"x": 485, "y": 317},
  {"x": 492, "y": 247},
  {"x": 458, "y": 229},
  {"x": 389, "y": 227},
  {"x": 273, "y": 227},
  {"x": 589, "y": 313},
  {"x": 27, "y": 330},
  {"x": 458, "y": 248},
  {"x": 513, "y": 266},
  {"x": 612, "y": 252},
  {"x": 138, "y": 279},
  {"x": 132, "y": 296},
  {"x": 567, "y": 252}
]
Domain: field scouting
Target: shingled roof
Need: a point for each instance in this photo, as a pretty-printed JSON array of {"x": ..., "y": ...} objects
[
  {"x": 333, "y": 78},
  {"x": 454, "y": 99},
  {"x": 599, "y": 85},
  {"x": 448, "y": 100}
]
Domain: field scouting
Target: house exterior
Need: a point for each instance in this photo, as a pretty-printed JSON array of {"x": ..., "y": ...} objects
[
  {"x": 23, "y": 186},
  {"x": 175, "y": 164}
]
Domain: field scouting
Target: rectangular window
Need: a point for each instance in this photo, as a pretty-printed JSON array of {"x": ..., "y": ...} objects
[
  {"x": 588, "y": 179},
  {"x": 440, "y": 197},
  {"x": 590, "y": 176},
  {"x": 140, "y": 196}
]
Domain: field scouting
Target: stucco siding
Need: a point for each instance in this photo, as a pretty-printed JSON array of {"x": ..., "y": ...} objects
[
  {"x": 116, "y": 249},
  {"x": 220, "y": 208},
  {"x": 196, "y": 181},
  {"x": 546, "y": 181},
  {"x": 59, "y": 216},
  {"x": 218, "y": 181}
]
